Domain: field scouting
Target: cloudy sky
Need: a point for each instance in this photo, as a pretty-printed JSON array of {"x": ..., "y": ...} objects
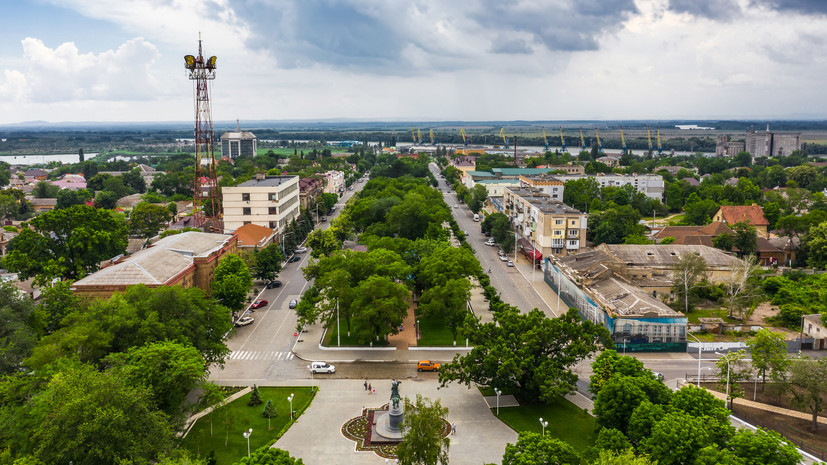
[{"x": 122, "y": 60}]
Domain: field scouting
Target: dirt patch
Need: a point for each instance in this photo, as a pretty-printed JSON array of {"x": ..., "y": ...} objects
[{"x": 759, "y": 317}]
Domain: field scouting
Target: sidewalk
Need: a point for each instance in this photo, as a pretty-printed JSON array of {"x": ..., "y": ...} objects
[{"x": 555, "y": 306}]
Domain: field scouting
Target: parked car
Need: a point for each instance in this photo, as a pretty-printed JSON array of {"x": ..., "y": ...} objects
[
  {"x": 244, "y": 321},
  {"x": 273, "y": 284},
  {"x": 427, "y": 365},
  {"x": 294, "y": 259},
  {"x": 322, "y": 367},
  {"x": 490, "y": 241},
  {"x": 503, "y": 258},
  {"x": 301, "y": 250},
  {"x": 259, "y": 304},
  {"x": 509, "y": 263},
  {"x": 294, "y": 303}
]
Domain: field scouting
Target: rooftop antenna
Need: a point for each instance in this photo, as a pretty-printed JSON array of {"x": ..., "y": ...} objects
[{"x": 206, "y": 208}]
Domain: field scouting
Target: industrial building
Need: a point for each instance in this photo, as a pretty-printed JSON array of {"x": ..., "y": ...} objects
[{"x": 772, "y": 144}]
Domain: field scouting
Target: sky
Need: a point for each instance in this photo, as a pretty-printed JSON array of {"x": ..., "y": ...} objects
[{"x": 421, "y": 60}]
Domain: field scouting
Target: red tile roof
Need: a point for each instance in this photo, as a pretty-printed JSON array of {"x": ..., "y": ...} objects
[
  {"x": 251, "y": 235},
  {"x": 752, "y": 213}
]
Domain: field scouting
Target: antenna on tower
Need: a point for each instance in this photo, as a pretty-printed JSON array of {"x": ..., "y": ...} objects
[{"x": 206, "y": 208}]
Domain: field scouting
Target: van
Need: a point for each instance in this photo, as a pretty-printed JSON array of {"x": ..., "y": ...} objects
[{"x": 476, "y": 217}]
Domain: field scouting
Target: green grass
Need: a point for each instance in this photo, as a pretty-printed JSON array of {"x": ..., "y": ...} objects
[
  {"x": 330, "y": 338},
  {"x": 243, "y": 418},
  {"x": 677, "y": 220},
  {"x": 566, "y": 421},
  {"x": 434, "y": 332},
  {"x": 278, "y": 151}
]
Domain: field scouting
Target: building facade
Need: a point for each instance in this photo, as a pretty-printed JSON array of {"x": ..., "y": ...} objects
[
  {"x": 309, "y": 190},
  {"x": 651, "y": 185},
  {"x": 727, "y": 148},
  {"x": 772, "y": 144},
  {"x": 550, "y": 226},
  {"x": 269, "y": 201},
  {"x": 238, "y": 143},
  {"x": 188, "y": 259},
  {"x": 335, "y": 182}
]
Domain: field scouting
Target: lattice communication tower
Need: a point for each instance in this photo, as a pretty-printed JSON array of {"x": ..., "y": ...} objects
[{"x": 206, "y": 205}]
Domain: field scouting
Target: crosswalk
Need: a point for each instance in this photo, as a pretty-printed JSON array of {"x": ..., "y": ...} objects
[{"x": 256, "y": 355}]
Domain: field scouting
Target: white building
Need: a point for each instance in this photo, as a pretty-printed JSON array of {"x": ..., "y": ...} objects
[
  {"x": 650, "y": 185},
  {"x": 269, "y": 201},
  {"x": 335, "y": 182}
]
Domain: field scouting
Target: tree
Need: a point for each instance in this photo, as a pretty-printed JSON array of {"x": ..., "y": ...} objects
[
  {"x": 269, "y": 456},
  {"x": 132, "y": 179},
  {"x": 580, "y": 192},
  {"x": 322, "y": 243},
  {"x": 231, "y": 282},
  {"x": 268, "y": 412},
  {"x": 106, "y": 200},
  {"x": 614, "y": 224},
  {"x": 56, "y": 301},
  {"x": 170, "y": 370},
  {"x": 267, "y": 262},
  {"x": 676, "y": 439},
  {"x": 380, "y": 308},
  {"x": 478, "y": 196},
  {"x": 732, "y": 369},
  {"x": 87, "y": 416},
  {"x": 19, "y": 325},
  {"x": 746, "y": 238},
  {"x": 531, "y": 448},
  {"x": 817, "y": 246},
  {"x": 423, "y": 433},
  {"x": 768, "y": 350},
  {"x": 147, "y": 219},
  {"x": 739, "y": 285},
  {"x": 448, "y": 302},
  {"x": 609, "y": 364},
  {"x": 255, "y": 397},
  {"x": 67, "y": 243},
  {"x": 689, "y": 270},
  {"x": 623, "y": 458},
  {"x": 529, "y": 354},
  {"x": 45, "y": 190},
  {"x": 808, "y": 378},
  {"x": 723, "y": 241},
  {"x": 621, "y": 395},
  {"x": 763, "y": 446}
]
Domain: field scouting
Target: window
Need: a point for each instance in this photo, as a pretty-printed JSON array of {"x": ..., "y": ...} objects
[
  {"x": 273, "y": 197},
  {"x": 572, "y": 222},
  {"x": 246, "y": 211},
  {"x": 273, "y": 211},
  {"x": 558, "y": 221},
  {"x": 247, "y": 222},
  {"x": 245, "y": 197}
]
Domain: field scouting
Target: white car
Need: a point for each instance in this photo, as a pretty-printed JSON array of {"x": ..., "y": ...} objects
[
  {"x": 322, "y": 367},
  {"x": 490, "y": 242},
  {"x": 503, "y": 258},
  {"x": 301, "y": 250},
  {"x": 509, "y": 263},
  {"x": 244, "y": 321}
]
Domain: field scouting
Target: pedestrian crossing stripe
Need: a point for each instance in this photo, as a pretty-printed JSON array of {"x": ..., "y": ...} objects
[{"x": 256, "y": 355}]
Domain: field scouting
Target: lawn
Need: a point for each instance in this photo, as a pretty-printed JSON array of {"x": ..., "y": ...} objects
[
  {"x": 330, "y": 338},
  {"x": 693, "y": 315},
  {"x": 242, "y": 417},
  {"x": 565, "y": 420},
  {"x": 278, "y": 151},
  {"x": 434, "y": 332}
]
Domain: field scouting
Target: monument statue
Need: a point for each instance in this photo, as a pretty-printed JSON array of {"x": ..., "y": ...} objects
[{"x": 395, "y": 398}]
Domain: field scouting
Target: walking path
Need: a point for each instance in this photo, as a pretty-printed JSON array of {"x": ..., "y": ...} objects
[{"x": 407, "y": 337}]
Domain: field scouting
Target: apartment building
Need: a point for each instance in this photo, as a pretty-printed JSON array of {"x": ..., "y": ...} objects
[
  {"x": 549, "y": 225},
  {"x": 651, "y": 185},
  {"x": 335, "y": 182},
  {"x": 269, "y": 201}
]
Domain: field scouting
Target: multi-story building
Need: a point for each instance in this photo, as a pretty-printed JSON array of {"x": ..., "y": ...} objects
[
  {"x": 650, "y": 185},
  {"x": 238, "y": 143},
  {"x": 772, "y": 144},
  {"x": 728, "y": 148},
  {"x": 309, "y": 190},
  {"x": 548, "y": 225},
  {"x": 335, "y": 182},
  {"x": 269, "y": 201},
  {"x": 546, "y": 183}
]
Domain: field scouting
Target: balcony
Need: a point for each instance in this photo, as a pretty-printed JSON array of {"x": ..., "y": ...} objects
[{"x": 572, "y": 245}]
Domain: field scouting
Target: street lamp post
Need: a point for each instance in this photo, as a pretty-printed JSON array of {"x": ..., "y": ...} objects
[
  {"x": 726, "y": 357},
  {"x": 543, "y": 424},
  {"x": 312, "y": 384},
  {"x": 338, "y": 328},
  {"x": 498, "y": 392},
  {"x": 699, "y": 356},
  {"x": 625, "y": 340},
  {"x": 283, "y": 236},
  {"x": 290, "y": 399},
  {"x": 247, "y": 437}
]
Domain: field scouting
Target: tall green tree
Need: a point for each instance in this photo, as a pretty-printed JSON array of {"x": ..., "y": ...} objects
[
  {"x": 147, "y": 219},
  {"x": 68, "y": 243},
  {"x": 609, "y": 364},
  {"x": 20, "y": 325},
  {"x": 529, "y": 354},
  {"x": 423, "y": 433},
  {"x": 817, "y": 246},
  {"x": 322, "y": 243},
  {"x": 267, "y": 262},
  {"x": 746, "y": 238},
  {"x": 231, "y": 282},
  {"x": 269, "y": 456},
  {"x": 448, "y": 302},
  {"x": 732, "y": 369},
  {"x": 380, "y": 307},
  {"x": 533, "y": 448},
  {"x": 621, "y": 395},
  {"x": 768, "y": 350},
  {"x": 740, "y": 285},
  {"x": 676, "y": 439},
  {"x": 808, "y": 378}
]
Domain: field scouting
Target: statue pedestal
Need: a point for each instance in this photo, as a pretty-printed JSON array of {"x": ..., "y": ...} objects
[{"x": 385, "y": 428}]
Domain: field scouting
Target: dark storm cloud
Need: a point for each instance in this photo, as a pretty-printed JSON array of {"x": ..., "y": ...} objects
[
  {"x": 375, "y": 34},
  {"x": 798, "y": 6},
  {"x": 571, "y": 25},
  {"x": 713, "y": 9}
]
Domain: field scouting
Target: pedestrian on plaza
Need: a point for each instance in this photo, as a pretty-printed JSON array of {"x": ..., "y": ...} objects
[
  {"x": 370, "y": 388},
  {"x": 453, "y": 428},
  {"x": 374, "y": 390},
  {"x": 366, "y": 385}
]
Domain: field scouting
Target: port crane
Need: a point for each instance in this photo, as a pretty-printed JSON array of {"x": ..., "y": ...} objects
[
  {"x": 563, "y": 141},
  {"x": 418, "y": 136},
  {"x": 582, "y": 141},
  {"x": 413, "y": 136},
  {"x": 464, "y": 136},
  {"x": 623, "y": 148},
  {"x": 660, "y": 148},
  {"x": 649, "y": 133},
  {"x": 505, "y": 138},
  {"x": 545, "y": 140},
  {"x": 599, "y": 144},
  {"x": 433, "y": 142}
]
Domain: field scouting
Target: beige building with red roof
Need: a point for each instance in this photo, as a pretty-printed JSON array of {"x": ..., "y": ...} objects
[
  {"x": 753, "y": 214},
  {"x": 254, "y": 236}
]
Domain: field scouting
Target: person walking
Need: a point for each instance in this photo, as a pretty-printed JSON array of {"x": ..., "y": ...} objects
[
  {"x": 370, "y": 389},
  {"x": 453, "y": 428},
  {"x": 366, "y": 385}
]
